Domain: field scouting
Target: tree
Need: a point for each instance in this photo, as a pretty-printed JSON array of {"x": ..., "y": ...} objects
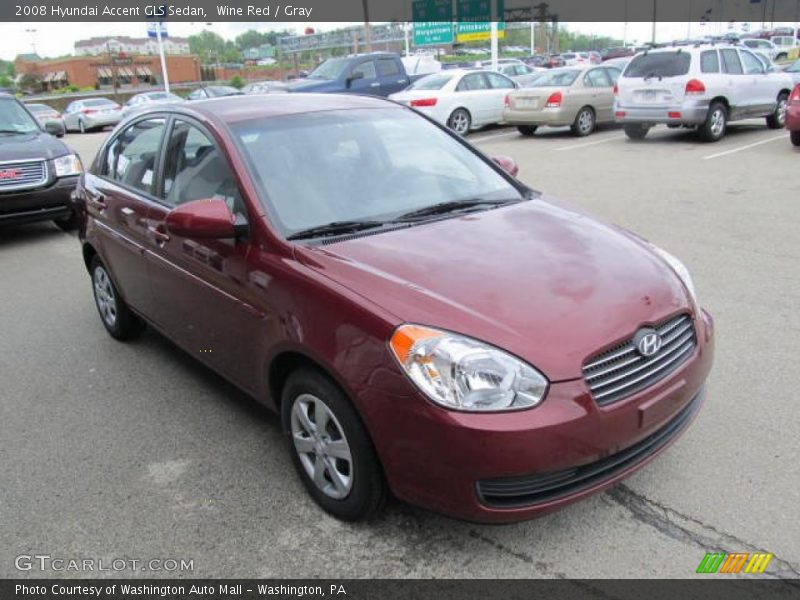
[
  {"x": 208, "y": 45},
  {"x": 30, "y": 82},
  {"x": 251, "y": 39}
]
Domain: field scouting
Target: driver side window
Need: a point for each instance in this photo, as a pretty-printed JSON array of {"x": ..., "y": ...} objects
[
  {"x": 367, "y": 68},
  {"x": 752, "y": 66},
  {"x": 195, "y": 169}
]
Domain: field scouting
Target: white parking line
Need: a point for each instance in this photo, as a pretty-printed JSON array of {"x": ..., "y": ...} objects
[
  {"x": 594, "y": 143},
  {"x": 740, "y": 148},
  {"x": 475, "y": 140}
]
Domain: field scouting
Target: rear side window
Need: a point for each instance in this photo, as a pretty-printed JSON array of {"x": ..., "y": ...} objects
[
  {"x": 659, "y": 64},
  {"x": 132, "y": 157},
  {"x": 709, "y": 61},
  {"x": 498, "y": 82},
  {"x": 730, "y": 62},
  {"x": 476, "y": 81},
  {"x": 431, "y": 82},
  {"x": 597, "y": 78}
]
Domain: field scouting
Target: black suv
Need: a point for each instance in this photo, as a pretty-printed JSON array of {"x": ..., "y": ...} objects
[{"x": 37, "y": 172}]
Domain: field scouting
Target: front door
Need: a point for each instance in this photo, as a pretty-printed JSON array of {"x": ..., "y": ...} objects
[
  {"x": 201, "y": 287},
  {"x": 118, "y": 201}
]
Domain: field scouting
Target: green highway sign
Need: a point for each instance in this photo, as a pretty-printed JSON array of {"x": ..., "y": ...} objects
[
  {"x": 433, "y": 22},
  {"x": 474, "y": 20}
]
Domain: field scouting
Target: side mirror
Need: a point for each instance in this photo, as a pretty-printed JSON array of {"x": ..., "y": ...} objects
[
  {"x": 508, "y": 164},
  {"x": 354, "y": 76},
  {"x": 202, "y": 219},
  {"x": 52, "y": 128}
]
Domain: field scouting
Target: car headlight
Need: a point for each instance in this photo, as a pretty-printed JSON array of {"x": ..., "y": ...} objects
[
  {"x": 679, "y": 268},
  {"x": 461, "y": 373},
  {"x": 68, "y": 165}
]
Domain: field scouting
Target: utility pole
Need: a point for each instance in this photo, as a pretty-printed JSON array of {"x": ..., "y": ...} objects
[
  {"x": 33, "y": 38},
  {"x": 493, "y": 32},
  {"x": 161, "y": 54},
  {"x": 367, "y": 31},
  {"x": 655, "y": 17},
  {"x": 533, "y": 31}
]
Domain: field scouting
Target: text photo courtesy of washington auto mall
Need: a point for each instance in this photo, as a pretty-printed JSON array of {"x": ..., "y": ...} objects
[{"x": 399, "y": 299}]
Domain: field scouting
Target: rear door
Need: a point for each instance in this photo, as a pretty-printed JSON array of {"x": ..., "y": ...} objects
[
  {"x": 119, "y": 199},
  {"x": 391, "y": 75},
  {"x": 203, "y": 292},
  {"x": 598, "y": 92},
  {"x": 474, "y": 93},
  {"x": 738, "y": 90}
]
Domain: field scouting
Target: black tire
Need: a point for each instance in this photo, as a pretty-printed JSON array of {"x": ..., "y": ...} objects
[
  {"x": 69, "y": 223},
  {"x": 777, "y": 120},
  {"x": 795, "y": 136},
  {"x": 716, "y": 123},
  {"x": 636, "y": 131},
  {"x": 125, "y": 325},
  {"x": 460, "y": 121},
  {"x": 585, "y": 122},
  {"x": 527, "y": 130},
  {"x": 368, "y": 490},
  {"x": 782, "y": 56}
]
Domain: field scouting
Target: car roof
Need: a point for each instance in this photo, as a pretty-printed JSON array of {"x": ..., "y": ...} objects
[{"x": 232, "y": 109}]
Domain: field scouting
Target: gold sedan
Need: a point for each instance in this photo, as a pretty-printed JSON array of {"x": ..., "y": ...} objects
[{"x": 578, "y": 97}]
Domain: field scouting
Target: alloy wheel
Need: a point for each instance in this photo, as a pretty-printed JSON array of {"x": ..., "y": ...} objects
[
  {"x": 586, "y": 122},
  {"x": 322, "y": 446},
  {"x": 460, "y": 122},
  {"x": 783, "y": 105},
  {"x": 717, "y": 122},
  {"x": 104, "y": 296}
]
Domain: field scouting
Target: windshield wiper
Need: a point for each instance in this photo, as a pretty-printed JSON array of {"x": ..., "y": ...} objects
[
  {"x": 449, "y": 207},
  {"x": 335, "y": 228},
  {"x": 14, "y": 131}
]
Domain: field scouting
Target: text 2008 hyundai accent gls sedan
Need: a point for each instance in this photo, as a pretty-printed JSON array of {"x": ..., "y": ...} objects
[{"x": 425, "y": 324}]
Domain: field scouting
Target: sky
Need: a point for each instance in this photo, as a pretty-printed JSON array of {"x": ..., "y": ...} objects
[{"x": 57, "y": 39}]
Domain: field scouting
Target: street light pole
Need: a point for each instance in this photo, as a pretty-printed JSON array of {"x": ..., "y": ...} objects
[
  {"x": 655, "y": 16},
  {"x": 161, "y": 55},
  {"x": 33, "y": 38}
]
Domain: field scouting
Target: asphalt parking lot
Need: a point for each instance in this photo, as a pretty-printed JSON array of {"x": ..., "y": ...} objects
[{"x": 113, "y": 450}]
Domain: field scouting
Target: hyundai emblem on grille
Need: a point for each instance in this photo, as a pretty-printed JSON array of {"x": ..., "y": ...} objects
[{"x": 647, "y": 342}]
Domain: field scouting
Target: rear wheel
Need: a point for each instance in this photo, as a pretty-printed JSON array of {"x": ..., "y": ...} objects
[
  {"x": 716, "y": 123},
  {"x": 636, "y": 131},
  {"x": 460, "y": 121},
  {"x": 584, "y": 123},
  {"x": 330, "y": 447},
  {"x": 777, "y": 120},
  {"x": 81, "y": 126},
  {"x": 795, "y": 135},
  {"x": 117, "y": 318},
  {"x": 528, "y": 130}
]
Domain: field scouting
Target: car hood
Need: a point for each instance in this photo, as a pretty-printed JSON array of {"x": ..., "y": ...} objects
[
  {"x": 31, "y": 145},
  {"x": 309, "y": 85},
  {"x": 541, "y": 280}
]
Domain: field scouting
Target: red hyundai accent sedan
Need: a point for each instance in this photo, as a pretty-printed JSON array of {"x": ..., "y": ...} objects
[{"x": 426, "y": 324}]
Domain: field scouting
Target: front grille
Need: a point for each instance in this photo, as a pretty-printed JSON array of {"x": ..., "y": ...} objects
[
  {"x": 20, "y": 175},
  {"x": 529, "y": 490},
  {"x": 622, "y": 370}
]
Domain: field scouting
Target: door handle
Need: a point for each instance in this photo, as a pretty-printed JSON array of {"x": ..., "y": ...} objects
[
  {"x": 127, "y": 211},
  {"x": 376, "y": 84},
  {"x": 402, "y": 81},
  {"x": 158, "y": 234},
  {"x": 97, "y": 200}
]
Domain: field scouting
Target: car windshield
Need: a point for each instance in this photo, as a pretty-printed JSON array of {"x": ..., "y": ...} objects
[
  {"x": 557, "y": 78},
  {"x": 659, "y": 64},
  {"x": 370, "y": 165},
  {"x": 432, "y": 82},
  {"x": 330, "y": 69},
  {"x": 15, "y": 119}
]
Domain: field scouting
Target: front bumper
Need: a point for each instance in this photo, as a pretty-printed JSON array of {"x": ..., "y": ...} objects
[
  {"x": 455, "y": 462},
  {"x": 690, "y": 112},
  {"x": 551, "y": 117},
  {"x": 38, "y": 204}
]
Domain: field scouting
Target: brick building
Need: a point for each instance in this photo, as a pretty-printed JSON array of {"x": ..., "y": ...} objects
[{"x": 103, "y": 71}]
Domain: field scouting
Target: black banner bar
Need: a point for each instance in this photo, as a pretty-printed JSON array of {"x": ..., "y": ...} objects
[
  {"x": 706, "y": 587},
  {"x": 394, "y": 10}
]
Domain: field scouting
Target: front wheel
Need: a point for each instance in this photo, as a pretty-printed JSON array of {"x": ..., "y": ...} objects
[
  {"x": 527, "y": 130},
  {"x": 584, "y": 123},
  {"x": 777, "y": 120},
  {"x": 636, "y": 131},
  {"x": 117, "y": 318},
  {"x": 716, "y": 123},
  {"x": 460, "y": 121},
  {"x": 795, "y": 136},
  {"x": 330, "y": 447},
  {"x": 81, "y": 126}
]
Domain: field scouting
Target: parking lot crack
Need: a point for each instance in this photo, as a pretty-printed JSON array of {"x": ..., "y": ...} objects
[{"x": 690, "y": 530}]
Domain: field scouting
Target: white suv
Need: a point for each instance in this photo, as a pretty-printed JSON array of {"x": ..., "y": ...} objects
[{"x": 703, "y": 86}]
